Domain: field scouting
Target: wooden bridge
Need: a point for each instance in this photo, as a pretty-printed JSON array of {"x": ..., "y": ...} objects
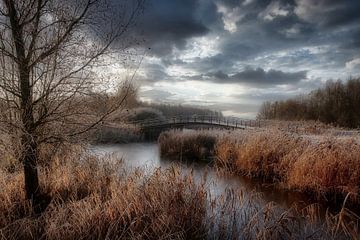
[{"x": 196, "y": 121}]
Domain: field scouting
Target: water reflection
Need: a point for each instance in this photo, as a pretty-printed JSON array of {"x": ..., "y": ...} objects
[{"x": 147, "y": 157}]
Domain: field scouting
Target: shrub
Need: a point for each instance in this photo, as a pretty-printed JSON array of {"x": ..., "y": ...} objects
[{"x": 186, "y": 144}]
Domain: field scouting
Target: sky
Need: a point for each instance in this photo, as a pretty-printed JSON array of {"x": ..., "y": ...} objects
[{"x": 231, "y": 55}]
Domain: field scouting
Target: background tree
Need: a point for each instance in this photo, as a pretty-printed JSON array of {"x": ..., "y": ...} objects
[
  {"x": 336, "y": 103},
  {"x": 50, "y": 50}
]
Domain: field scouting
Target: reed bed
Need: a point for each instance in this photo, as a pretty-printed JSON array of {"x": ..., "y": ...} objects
[
  {"x": 324, "y": 166},
  {"x": 90, "y": 199},
  {"x": 87, "y": 197},
  {"x": 187, "y": 145}
]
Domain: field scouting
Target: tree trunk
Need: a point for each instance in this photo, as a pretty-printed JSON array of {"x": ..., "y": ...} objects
[
  {"x": 29, "y": 142},
  {"x": 29, "y": 139},
  {"x": 29, "y": 161}
]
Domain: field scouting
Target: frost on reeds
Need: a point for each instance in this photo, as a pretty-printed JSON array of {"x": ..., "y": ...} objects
[{"x": 325, "y": 166}]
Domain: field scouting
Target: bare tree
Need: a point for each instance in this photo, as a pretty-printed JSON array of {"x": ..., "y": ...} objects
[{"x": 49, "y": 52}]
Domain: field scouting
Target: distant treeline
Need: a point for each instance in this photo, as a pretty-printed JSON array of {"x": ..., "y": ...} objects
[
  {"x": 337, "y": 103},
  {"x": 181, "y": 110}
]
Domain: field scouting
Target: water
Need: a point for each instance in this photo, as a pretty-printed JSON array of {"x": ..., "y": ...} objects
[
  {"x": 147, "y": 156},
  {"x": 238, "y": 200}
]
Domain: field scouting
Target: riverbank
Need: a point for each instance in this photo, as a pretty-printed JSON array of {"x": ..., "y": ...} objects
[
  {"x": 324, "y": 166},
  {"x": 97, "y": 197}
]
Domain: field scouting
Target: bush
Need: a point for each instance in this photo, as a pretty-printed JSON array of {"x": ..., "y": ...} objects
[{"x": 186, "y": 145}]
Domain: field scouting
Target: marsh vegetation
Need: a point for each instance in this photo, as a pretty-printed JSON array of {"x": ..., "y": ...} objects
[{"x": 99, "y": 197}]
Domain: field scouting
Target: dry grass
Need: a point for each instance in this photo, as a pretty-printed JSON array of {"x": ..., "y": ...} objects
[
  {"x": 300, "y": 127},
  {"x": 257, "y": 154},
  {"x": 330, "y": 166},
  {"x": 189, "y": 145},
  {"x": 325, "y": 167},
  {"x": 93, "y": 200}
]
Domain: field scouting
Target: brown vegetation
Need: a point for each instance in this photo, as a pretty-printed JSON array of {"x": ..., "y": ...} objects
[
  {"x": 337, "y": 103},
  {"x": 191, "y": 145},
  {"x": 49, "y": 54},
  {"x": 93, "y": 198},
  {"x": 325, "y": 165}
]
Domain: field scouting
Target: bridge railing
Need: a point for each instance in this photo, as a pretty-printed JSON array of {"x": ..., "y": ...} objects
[{"x": 198, "y": 119}]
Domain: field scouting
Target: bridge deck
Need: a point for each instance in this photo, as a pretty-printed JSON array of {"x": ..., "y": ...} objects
[{"x": 230, "y": 122}]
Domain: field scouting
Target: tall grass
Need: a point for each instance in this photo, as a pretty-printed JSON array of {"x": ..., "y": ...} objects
[
  {"x": 325, "y": 166},
  {"x": 190, "y": 145},
  {"x": 96, "y": 198}
]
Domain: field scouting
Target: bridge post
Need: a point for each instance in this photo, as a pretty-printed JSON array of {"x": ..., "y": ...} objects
[{"x": 236, "y": 123}]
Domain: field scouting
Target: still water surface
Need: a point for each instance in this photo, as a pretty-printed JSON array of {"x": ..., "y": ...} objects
[{"x": 147, "y": 156}]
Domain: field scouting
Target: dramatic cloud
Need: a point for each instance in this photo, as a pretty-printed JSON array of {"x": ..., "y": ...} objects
[
  {"x": 353, "y": 64},
  {"x": 259, "y": 76},
  {"x": 202, "y": 48},
  {"x": 167, "y": 24},
  {"x": 275, "y": 10},
  {"x": 328, "y": 12}
]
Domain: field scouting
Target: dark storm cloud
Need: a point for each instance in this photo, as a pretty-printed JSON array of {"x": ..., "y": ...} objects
[
  {"x": 259, "y": 76},
  {"x": 278, "y": 38},
  {"x": 158, "y": 25},
  {"x": 264, "y": 25},
  {"x": 353, "y": 38},
  {"x": 291, "y": 45},
  {"x": 167, "y": 24}
]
